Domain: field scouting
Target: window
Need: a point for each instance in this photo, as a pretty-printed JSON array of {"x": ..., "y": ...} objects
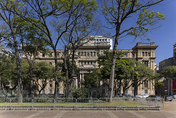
[
  {"x": 146, "y": 91},
  {"x": 125, "y": 54},
  {"x": 81, "y": 63},
  {"x": 94, "y": 53},
  {"x": 50, "y": 53},
  {"x": 146, "y": 63},
  {"x": 84, "y": 53},
  {"x": 78, "y": 53},
  {"x": 91, "y": 54},
  {"x": 85, "y": 62},
  {"x": 97, "y": 53},
  {"x": 97, "y": 39},
  {"x": 145, "y": 53},
  {"x": 51, "y": 63},
  {"x": 132, "y": 54},
  {"x": 50, "y": 91},
  {"x": 142, "y": 53},
  {"x": 148, "y": 53},
  {"x": 81, "y": 53},
  {"x": 91, "y": 62},
  {"x": 126, "y": 91},
  {"x": 57, "y": 54},
  {"x": 88, "y": 63},
  {"x": 51, "y": 84},
  {"x": 43, "y": 83},
  {"x": 102, "y": 39},
  {"x": 146, "y": 84},
  {"x": 43, "y": 54},
  {"x": 106, "y": 40},
  {"x": 88, "y": 54}
]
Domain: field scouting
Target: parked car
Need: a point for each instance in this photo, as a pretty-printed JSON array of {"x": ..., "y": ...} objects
[
  {"x": 174, "y": 96},
  {"x": 142, "y": 96},
  {"x": 119, "y": 95},
  {"x": 168, "y": 98},
  {"x": 153, "y": 98},
  {"x": 128, "y": 95}
]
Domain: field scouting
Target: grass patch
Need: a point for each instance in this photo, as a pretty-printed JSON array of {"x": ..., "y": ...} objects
[{"x": 91, "y": 103}]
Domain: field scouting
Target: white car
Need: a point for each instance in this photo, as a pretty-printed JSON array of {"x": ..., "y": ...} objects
[
  {"x": 174, "y": 96},
  {"x": 142, "y": 96}
]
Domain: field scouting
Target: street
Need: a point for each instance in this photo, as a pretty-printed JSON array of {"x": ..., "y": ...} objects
[{"x": 169, "y": 111}]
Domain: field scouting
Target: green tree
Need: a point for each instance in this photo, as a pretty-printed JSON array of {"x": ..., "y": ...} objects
[
  {"x": 43, "y": 72},
  {"x": 105, "y": 61},
  {"x": 80, "y": 93},
  {"x": 91, "y": 80},
  {"x": 66, "y": 71},
  {"x": 32, "y": 42},
  {"x": 69, "y": 65},
  {"x": 169, "y": 71},
  {"x": 144, "y": 73},
  {"x": 124, "y": 73},
  {"x": 118, "y": 12},
  {"x": 7, "y": 70},
  {"x": 63, "y": 13},
  {"x": 9, "y": 26},
  {"x": 77, "y": 36},
  {"x": 158, "y": 84}
]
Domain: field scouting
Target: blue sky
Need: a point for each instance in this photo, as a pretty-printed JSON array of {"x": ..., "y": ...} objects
[{"x": 164, "y": 36}]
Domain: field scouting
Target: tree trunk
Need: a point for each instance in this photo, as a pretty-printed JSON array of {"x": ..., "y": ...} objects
[
  {"x": 0, "y": 82},
  {"x": 31, "y": 91},
  {"x": 111, "y": 81},
  {"x": 72, "y": 74},
  {"x": 56, "y": 81},
  {"x": 18, "y": 63},
  {"x": 66, "y": 68},
  {"x": 123, "y": 90}
]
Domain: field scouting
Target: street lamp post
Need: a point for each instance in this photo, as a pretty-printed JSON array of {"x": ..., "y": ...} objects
[{"x": 135, "y": 82}]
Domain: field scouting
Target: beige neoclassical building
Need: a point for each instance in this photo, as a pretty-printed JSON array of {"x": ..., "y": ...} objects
[{"x": 87, "y": 56}]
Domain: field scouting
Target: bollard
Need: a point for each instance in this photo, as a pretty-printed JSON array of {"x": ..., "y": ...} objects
[
  {"x": 76, "y": 102},
  {"x": 10, "y": 102},
  {"x": 32, "y": 102},
  {"x": 120, "y": 102},
  {"x": 98, "y": 102},
  {"x": 163, "y": 103},
  {"x": 54, "y": 102}
]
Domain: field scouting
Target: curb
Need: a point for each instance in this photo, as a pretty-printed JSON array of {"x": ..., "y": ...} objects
[{"x": 79, "y": 108}]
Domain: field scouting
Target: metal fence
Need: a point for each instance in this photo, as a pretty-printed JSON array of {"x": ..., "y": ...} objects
[{"x": 83, "y": 102}]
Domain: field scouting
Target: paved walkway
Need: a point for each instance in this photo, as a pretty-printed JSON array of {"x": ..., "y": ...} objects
[{"x": 169, "y": 111}]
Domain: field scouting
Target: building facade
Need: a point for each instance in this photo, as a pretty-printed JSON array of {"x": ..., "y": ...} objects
[
  {"x": 87, "y": 56},
  {"x": 170, "y": 83}
]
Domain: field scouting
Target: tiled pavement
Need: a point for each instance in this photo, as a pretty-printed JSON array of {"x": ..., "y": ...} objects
[{"x": 169, "y": 111}]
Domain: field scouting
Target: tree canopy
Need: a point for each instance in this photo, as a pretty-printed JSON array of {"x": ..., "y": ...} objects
[
  {"x": 118, "y": 13},
  {"x": 169, "y": 71}
]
